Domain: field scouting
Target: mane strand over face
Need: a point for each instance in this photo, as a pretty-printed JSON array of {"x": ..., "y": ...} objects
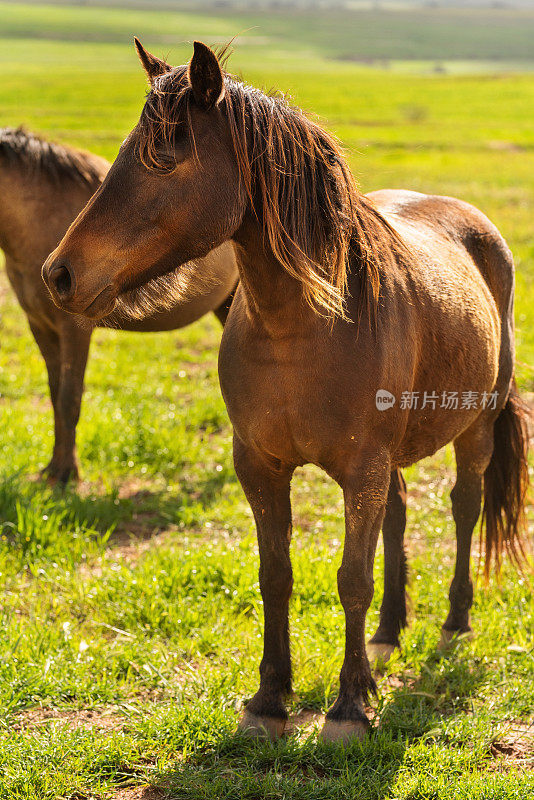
[
  {"x": 314, "y": 219},
  {"x": 56, "y": 162}
]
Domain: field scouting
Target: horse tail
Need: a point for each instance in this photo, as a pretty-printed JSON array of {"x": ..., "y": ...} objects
[{"x": 506, "y": 483}]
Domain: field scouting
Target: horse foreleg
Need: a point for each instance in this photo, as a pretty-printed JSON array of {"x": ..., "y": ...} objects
[
  {"x": 74, "y": 349},
  {"x": 49, "y": 345},
  {"x": 393, "y": 608},
  {"x": 365, "y": 501},
  {"x": 268, "y": 492}
]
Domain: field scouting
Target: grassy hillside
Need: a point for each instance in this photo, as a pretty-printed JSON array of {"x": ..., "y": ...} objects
[
  {"x": 131, "y": 616},
  {"x": 405, "y": 32}
]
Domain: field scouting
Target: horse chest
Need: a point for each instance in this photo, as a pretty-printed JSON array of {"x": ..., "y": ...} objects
[{"x": 283, "y": 402}]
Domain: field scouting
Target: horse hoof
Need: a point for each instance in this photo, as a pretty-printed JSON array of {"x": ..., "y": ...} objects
[
  {"x": 59, "y": 476},
  {"x": 379, "y": 653},
  {"x": 344, "y": 731},
  {"x": 449, "y": 638},
  {"x": 261, "y": 727}
]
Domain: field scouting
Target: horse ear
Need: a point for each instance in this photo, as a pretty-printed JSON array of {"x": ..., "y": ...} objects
[
  {"x": 153, "y": 66},
  {"x": 205, "y": 77}
]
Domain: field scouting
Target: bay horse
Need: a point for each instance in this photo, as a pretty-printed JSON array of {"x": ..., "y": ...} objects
[
  {"x": 43, "y": 186},
  {"x": 350, "y": 309}
]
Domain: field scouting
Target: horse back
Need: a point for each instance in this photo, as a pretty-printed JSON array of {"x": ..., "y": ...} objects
[{"x": 459, "y": 226}]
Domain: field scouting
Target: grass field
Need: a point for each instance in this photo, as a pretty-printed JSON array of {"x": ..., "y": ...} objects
[{"x": 131, "y": 616}]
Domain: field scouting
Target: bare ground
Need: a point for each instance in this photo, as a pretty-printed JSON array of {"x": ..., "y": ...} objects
[
  {"x": 514, "y": 749},
  {"x": 106, "y": 719},
  {"x": 141, "y": 793}
]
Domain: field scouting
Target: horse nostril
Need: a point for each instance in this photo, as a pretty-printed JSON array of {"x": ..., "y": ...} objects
[{"x": 61, "y": 279}]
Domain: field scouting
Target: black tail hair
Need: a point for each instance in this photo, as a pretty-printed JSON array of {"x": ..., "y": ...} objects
[{"x": 506, "y": 482}]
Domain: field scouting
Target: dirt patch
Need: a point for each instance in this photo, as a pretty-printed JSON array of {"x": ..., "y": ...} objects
[
  {"x": 102, "y": 718},
  {"x": 136, "y": 488},
  {"x": 506, "y": 147},
  {"x": 305, "y": 721},
  {"x": 514, "y": 749},
  {"x": 308, "y": 721},
  {"x": 39, "y": 402},
  {"x": 5, "y": 286},
  {"x": 132, "y": 539},
  {"x": 141, "y": 793}
]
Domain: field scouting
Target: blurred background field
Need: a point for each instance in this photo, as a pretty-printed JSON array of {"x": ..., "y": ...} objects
[{"x": 131, "y": 617}]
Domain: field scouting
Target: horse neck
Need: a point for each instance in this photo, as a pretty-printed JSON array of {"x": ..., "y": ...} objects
[
  {"x": 34, "y": 213},
  {"x": 273, "y": 297}
]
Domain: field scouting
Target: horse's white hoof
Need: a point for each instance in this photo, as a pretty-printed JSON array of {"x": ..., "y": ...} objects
[
  {"x": 261, "y": 727},
  {"x": 379, "y": 654},
  {"x": 448, "y": 638},
  {"x": 344, "y": 731}
]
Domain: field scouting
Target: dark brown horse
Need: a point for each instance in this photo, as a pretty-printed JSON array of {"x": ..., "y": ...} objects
[
  {"x": 43, "y": 186},
  {"x": 366, "y": 333}
]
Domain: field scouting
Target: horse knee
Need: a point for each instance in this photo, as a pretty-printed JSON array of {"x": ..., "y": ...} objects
[
  {"x": 276, "y": 580},
  {"x": 355, "y": 587},
  {"x": 461, "y": 593},
  {"x": 466, "y": 499}
]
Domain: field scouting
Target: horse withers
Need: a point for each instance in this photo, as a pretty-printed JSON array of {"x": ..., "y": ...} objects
[
  {"x": 344, "y": 300},
  {"x": 43, "y": 187}
]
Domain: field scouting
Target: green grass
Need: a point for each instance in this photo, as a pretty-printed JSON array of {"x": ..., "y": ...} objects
[{"x": 131, "y": 616}]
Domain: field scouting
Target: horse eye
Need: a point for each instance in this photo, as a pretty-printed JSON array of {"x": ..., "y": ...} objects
[
  {"x": 166, "y": 160},
  {"x": 176, "y": 149},
  {"x": 171, "y": 154}
]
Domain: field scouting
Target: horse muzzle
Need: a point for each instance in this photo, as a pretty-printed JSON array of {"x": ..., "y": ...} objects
[{"x": 61, "y": 282}]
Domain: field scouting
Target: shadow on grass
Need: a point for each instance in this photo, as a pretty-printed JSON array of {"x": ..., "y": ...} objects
[
  {"x": 36, "y": 520},
  {"x": 238, "y": 768},
  {"x": 298, "y": 767}
]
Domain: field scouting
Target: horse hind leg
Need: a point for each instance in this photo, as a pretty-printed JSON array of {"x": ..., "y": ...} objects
[
  {"x": 473, "y": 450},
  {"x": 393, "y": 609}
]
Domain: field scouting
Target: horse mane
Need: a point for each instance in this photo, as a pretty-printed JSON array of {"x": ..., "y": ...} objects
[
  {"x": 56, "y": 162},
  {"x": 314, "y": 218}
]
